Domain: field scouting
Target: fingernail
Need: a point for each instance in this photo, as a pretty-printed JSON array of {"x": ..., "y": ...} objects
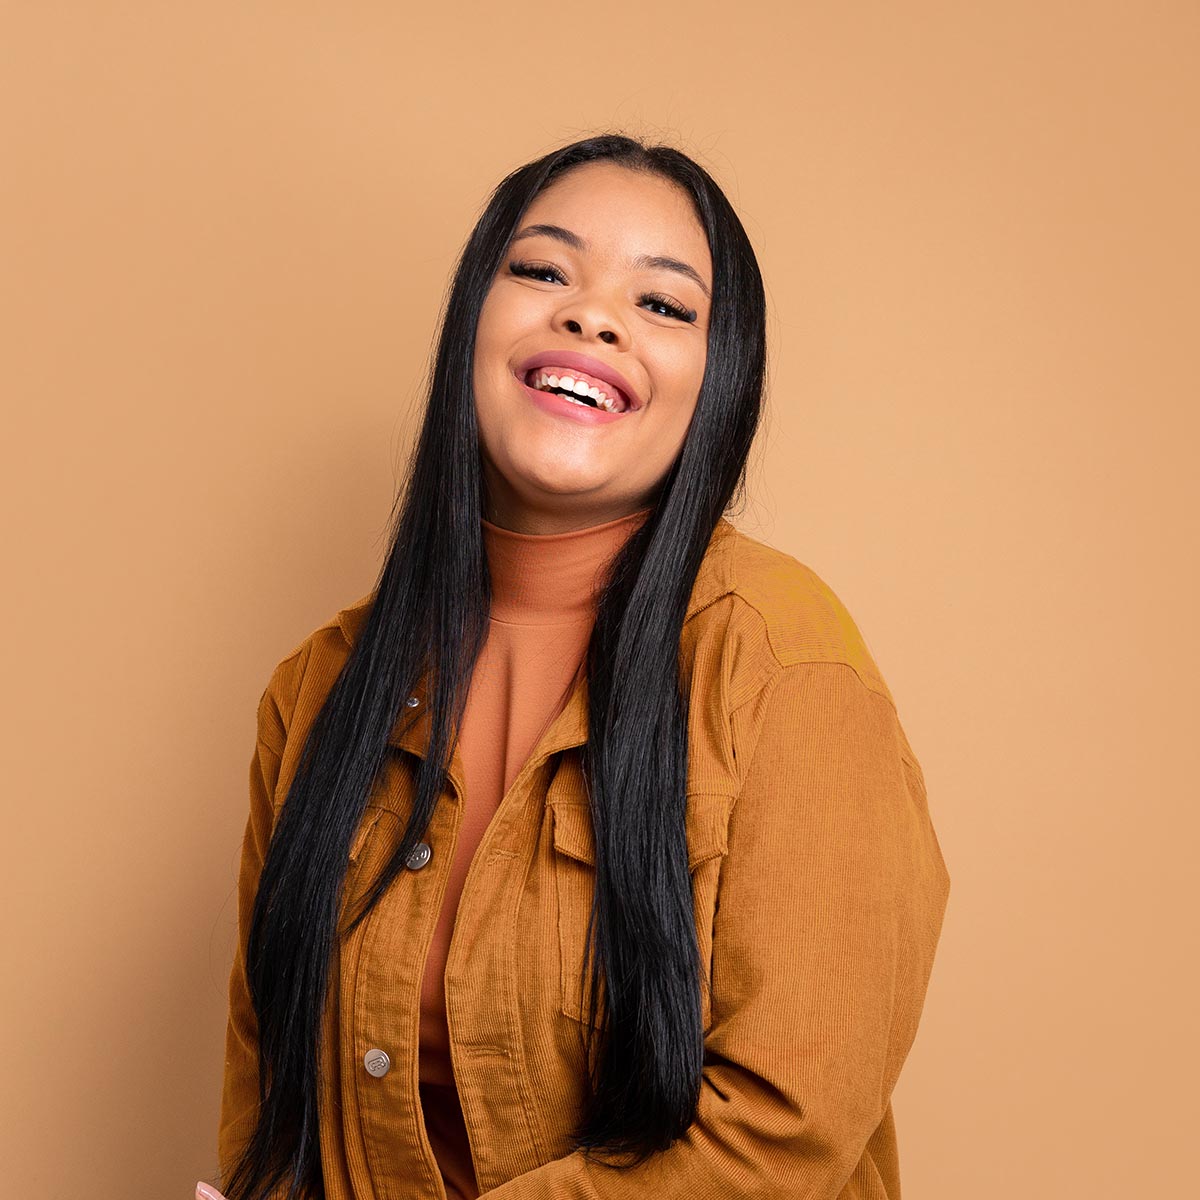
[{"x": 204, "y": 1192}]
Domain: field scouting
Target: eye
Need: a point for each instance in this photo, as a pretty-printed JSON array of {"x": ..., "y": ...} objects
[
  {"x": 533, "y": 270},
  {"x": 675, "y": 310},
  {"x": 530, "y": 270}
]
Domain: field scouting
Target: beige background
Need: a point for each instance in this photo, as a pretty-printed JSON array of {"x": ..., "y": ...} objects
[{"x": 226, "y": 230}]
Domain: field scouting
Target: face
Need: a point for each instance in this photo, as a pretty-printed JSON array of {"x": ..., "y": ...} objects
[{"x": 617, "y": 282}]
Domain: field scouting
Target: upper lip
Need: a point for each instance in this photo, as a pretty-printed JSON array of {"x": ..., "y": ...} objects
[{"x": 587, "y": 364}]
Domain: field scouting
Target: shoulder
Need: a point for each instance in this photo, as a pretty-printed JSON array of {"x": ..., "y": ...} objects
[
  {"x": 784, "y": 613},
  {"x": 308, "y": 670},
  {"x": 809, "y": 678}
]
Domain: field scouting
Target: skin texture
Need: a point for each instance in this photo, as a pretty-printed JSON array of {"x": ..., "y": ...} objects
[{"x": 549, "y": 474}]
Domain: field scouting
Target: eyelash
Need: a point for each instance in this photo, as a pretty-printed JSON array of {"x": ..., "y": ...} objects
[{"x": 529, "y": 269}]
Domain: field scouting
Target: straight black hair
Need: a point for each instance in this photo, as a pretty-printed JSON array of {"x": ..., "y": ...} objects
[{"x": 429, "y": 619}]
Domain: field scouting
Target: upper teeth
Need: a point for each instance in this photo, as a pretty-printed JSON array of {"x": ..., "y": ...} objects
[{"x": 580, "y": 387}]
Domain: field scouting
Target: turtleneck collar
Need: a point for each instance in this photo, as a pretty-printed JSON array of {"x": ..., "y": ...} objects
[{"x": 552, "y": 578}]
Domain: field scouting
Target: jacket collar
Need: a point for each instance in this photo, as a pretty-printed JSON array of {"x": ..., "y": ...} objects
[{"x": 714, "y": 579}]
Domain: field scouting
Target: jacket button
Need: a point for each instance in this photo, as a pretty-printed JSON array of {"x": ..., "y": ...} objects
[
  {"x": 377, "y": 1062},
  {"x": 418, "y": 856}
]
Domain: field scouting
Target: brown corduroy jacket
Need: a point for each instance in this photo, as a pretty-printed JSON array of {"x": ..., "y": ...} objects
[{"x": 819, "y": 892}]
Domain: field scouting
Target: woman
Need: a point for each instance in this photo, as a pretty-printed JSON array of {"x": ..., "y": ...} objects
[{"x": 586, "y": 854}]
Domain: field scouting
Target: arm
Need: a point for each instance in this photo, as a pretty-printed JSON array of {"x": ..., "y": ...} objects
[
  {"x": 239, "y": 1096},
  {"x": 829, "y": 912}
]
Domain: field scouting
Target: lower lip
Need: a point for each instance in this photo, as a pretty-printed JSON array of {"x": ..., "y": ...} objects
[{"x": 560, "y": 406}]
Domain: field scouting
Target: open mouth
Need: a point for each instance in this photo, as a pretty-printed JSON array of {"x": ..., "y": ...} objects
[{"x": 578, "y": 388}]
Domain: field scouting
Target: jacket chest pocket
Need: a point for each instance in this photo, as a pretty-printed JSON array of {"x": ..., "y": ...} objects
[
  {"x": 368, "y": 843},
  {"x": 707, "y": 826}
]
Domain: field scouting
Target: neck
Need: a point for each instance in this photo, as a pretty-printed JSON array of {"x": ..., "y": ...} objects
[{"x": 552, "y": 578}]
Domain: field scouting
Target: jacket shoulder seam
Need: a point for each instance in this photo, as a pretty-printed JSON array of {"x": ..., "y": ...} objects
[
  {"x": 780, "y": 660},
  {"x": 775, "y": 676},
  {"x": 772, "y": 673}
]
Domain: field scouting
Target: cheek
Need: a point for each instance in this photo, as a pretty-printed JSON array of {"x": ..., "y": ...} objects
[
  {"x": 485, "y": 334},
  {"x": 680, "y": 374},
  {"x": 502, "y": 320},
  {"x": 492, "y": 344}
]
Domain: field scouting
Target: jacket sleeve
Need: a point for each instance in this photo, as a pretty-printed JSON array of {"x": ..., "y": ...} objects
[
  {"x": 829, "y": 911},
  {"x": 239, "y": 1095}
]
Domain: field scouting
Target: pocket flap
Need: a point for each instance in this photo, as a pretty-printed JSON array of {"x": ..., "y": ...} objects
[
  {"x": 706, "y": 824},
  {"x": 369, "y": 821},
  {"x": 573, "y": 835}
]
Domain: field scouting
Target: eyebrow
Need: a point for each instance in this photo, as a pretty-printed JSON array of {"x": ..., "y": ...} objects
[{"x": 660, "y": 262}]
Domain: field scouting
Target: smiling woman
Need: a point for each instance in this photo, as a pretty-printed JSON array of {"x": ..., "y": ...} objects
[
  {"x": 581, "y": 297},
  {"x": 586, "y": 856}
]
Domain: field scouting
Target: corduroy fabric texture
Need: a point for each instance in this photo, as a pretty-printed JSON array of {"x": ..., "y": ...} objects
[{"x": 819, "y": 891}]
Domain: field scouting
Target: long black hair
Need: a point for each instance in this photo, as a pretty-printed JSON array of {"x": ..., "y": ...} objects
[{"x": 428, "y": 619}]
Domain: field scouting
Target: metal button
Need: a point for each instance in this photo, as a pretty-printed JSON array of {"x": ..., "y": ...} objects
[
  {"x": 412, "y": 701},
  {"x": 377, "y": 1062},
  {"x": 419, "y": 855}
]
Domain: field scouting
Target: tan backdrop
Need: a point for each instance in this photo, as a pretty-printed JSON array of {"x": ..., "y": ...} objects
[{"x": 226, "y": 231}]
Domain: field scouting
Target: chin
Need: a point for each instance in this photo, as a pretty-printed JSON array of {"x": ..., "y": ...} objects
[{"x": 545, "y": 478}]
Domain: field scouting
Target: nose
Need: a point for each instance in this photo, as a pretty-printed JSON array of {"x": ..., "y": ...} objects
[{"x": 592, "y": 317}]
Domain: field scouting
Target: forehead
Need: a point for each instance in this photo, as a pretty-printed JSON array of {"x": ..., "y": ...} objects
[{"x": 622, "y": 213}]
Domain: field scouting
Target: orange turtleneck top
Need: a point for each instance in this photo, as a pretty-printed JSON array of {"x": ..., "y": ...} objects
[{"x": 544, "y": 593}]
